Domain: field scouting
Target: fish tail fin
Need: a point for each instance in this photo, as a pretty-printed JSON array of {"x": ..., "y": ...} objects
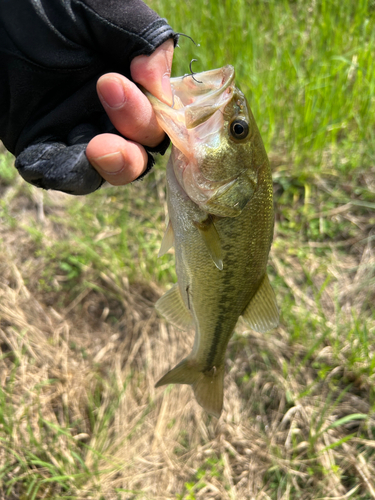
[
  {"x": 209, "y": 391},
  {"x": 208, "y": 387}
]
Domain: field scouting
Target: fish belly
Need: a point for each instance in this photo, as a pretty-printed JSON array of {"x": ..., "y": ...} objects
[{"x": 216, "y": 298}]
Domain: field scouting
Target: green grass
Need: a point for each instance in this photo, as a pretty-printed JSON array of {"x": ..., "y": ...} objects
[
  {"x": 81, "y": 346},
  {"x": 307, "y": 69}
]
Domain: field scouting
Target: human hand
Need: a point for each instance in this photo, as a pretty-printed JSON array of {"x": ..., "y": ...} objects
[
  {"x": 52, "y": 54},
  {"x": 119, "y": 160}
]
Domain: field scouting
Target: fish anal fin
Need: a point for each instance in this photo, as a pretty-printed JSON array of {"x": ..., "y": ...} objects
[
  {"x": 211, "y": 238},
  {"x": 174, "y": 310},
  {"x": 167, "y": 241},
  {"x": 208, "y": 387},
  {"x": 262, "y": 313},
  {"x": 185, "y": 372}
]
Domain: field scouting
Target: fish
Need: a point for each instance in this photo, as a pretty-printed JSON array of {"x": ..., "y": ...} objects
[{"x": 221, "y": 222}]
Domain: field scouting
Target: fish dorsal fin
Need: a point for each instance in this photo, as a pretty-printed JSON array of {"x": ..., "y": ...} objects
[
  {"x": 172, "y": 307},
  {"x": 211, "y": 239},
  {"x": 167, "y": 241},
  {"x": 262, "y": 313}
]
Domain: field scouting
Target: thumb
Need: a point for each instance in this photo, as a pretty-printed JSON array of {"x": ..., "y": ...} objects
[{"x": 153, "y": 72}]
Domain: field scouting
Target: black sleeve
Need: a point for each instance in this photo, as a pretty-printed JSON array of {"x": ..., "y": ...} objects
[{"x": 52, "y": 53}]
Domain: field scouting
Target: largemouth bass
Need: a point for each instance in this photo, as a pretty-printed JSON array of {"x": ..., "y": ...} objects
[{"x": 220, "y": 204}]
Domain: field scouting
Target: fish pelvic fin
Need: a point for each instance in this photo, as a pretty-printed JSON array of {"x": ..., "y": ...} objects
[
  {"x": 208, "y": 386},
  {"x": 168, "y": 240},
  {"x": 262, "y": 313},
  {"x": 174, "y": 310}
]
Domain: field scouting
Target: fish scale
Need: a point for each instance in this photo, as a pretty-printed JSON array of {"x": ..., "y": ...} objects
[
  {"x": 220, "y": 206},
  {"x": 219, "y": 298}
]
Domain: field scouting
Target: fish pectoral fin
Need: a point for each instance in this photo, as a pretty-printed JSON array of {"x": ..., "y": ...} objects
[
  {"x": 208, "y": 387},
  {"x": 167, "y": 241},
  {"x": 262, "y": 313},
  {"x": 211, "y": 239},
  {"x": 174, "y": 310}
]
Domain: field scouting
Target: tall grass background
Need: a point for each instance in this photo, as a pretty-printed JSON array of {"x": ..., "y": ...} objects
[
  {"x": 81, "y": 345},
  {"x": 307, "y": 68}
]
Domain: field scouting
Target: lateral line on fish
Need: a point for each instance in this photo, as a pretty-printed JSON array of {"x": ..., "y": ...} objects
[
  {"x": 223, "y": 308},
  {"x": 214, "y": 346},
  {"x": 215, "y": 342}
]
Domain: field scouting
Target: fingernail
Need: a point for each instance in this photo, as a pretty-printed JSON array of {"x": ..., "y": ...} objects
[
  {"x": 112, "y": 92},
  {"x": 111, "y": 163}
]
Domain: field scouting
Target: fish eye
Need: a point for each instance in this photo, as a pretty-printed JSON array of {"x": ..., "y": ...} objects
[{"x": 239, "y": 129}]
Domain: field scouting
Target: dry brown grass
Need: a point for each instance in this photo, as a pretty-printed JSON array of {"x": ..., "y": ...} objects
[{"x": 81, "y": 418}]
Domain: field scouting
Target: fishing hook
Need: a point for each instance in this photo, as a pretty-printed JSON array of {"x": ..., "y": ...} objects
[
  {"x": 187, "y": 36},
  {"x": 192, "y": 73}
]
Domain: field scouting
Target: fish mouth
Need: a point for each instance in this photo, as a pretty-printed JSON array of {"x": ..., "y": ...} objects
[
  {"x": 196, "y": 118},
  {"x": 202, "y": 94},
  {"x": 196, "y": 98}
]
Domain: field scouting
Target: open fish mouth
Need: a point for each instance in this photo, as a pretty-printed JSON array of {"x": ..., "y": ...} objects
[
  {"x": 202, "y": 94},
  {"x": 195, "y": 100},
  {"x": 208, "y": 158}
]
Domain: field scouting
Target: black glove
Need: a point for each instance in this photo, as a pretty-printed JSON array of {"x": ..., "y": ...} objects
[{"x": 52, "y": 53}]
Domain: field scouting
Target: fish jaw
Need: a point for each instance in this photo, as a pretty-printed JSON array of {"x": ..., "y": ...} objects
[
  {"x": 197, "y": 124},
  {"x": 204, "y": 94},
  {"x": 195, "y": 100}
]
